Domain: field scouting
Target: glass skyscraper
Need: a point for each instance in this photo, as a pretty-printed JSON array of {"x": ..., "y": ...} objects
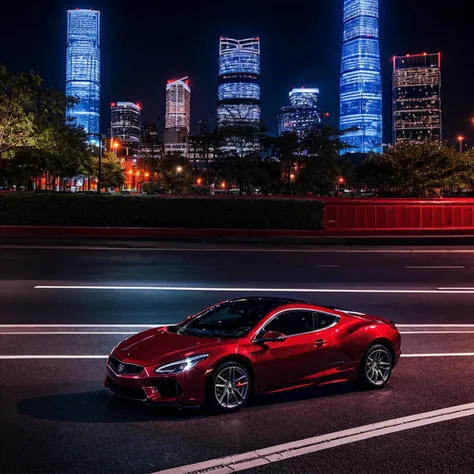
[
  {"x": 361, "y": 81},
  {"x": 83, "y": 68},
  {"x": 417, "y": 98},
  {"x": 178, "y": 116},
  {"x": 303, "y": 115},
  {"x": 125, "y": 124},
  {"x": 239, "y": 81}
]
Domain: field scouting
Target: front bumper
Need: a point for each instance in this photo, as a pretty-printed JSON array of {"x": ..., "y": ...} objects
[{"x": 185, "y": 389}]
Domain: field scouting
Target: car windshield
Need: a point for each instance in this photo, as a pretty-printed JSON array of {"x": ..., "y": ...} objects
[{"x": 231, "y": 319}]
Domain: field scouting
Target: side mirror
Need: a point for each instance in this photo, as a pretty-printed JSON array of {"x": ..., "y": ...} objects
[{"x": 272, "y": 336}]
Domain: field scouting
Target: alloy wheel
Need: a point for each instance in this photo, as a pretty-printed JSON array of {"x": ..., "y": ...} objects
[
  {"x": 231, "y": 387},
  {"x": 378, "y": 367}
]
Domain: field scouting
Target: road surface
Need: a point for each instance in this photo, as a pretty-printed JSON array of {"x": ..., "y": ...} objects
[{"x": 62, "y": 309}]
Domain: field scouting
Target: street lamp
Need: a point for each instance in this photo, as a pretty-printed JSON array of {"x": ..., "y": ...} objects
[
  {"x": 179, "y": 169},
  {"x": 460, "y": 139},
  {"x": 199, "y": 181},
  {"x": 339, "y": 182}
]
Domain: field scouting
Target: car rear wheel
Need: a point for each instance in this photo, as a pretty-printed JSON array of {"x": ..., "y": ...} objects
[
  {"x": 376, "y": 367},
  {"x": 229, "y": 388}
]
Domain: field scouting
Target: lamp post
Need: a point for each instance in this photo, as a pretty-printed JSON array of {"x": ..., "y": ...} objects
[
  {"x": 339, "y": 182},
  {"x": 460, "y": 139},
  {"x": 99, "y": 177}
]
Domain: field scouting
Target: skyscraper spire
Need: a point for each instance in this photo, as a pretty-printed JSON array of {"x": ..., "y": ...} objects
[{"x": 361, "y": 81}]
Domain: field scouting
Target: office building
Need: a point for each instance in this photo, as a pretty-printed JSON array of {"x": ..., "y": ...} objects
[
  {"x": 151, "y": 142},
  {"x": 239, "y": 84},
  {"x": 125, "y": 125},
  {"x": 83, "y": 69},
  {"x": 361, "y": 81},
  {"x": 303, "y": 114},
  {"x": 417, "y": 98},
  {"x": 178, "y": 116}
]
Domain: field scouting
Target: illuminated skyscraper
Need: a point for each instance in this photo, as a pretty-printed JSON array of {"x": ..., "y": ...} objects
[
  {"x": 178, "y": 116},
  {"x": 361, "y": 81},
  {"x": 125, "y": 124},
  {"x": 303, "y": 115},
  {"x": 417, "y": 97},
  {"x": 239, "y": 82},
  {"x": 83, "y": 68}
]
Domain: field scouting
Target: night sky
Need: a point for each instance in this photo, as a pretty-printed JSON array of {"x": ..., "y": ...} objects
[{"x": 144, "y": 43}]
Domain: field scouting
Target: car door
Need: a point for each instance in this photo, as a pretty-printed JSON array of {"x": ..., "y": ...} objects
[{"x": 300, "y": 359}]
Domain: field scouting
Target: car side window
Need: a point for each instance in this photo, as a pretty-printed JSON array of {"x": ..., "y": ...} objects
[
  {"x": 323, "y": 320},
  {"x": 290, "y": 323}
]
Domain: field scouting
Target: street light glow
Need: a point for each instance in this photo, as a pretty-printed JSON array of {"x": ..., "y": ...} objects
[{"x": 179, "y": 169}]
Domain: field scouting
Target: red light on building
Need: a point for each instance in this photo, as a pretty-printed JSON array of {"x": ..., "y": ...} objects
[
  {"x": 113, "y": 104},
  {"x": 257, "y": 38},
  {"x": 326, "y": 114},
  {"x": 139, "y": 106}
]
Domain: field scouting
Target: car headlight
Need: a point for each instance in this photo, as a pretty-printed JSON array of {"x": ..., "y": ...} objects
[{"x": 181, "y": 365}]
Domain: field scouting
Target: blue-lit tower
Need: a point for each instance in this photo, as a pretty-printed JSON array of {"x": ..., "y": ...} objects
[
  {"x": 303, "y": 115},
  {"x": 361, "y": 79},
  {"x": 239, "y": 82},
  {"x": 83, "y": 68}
]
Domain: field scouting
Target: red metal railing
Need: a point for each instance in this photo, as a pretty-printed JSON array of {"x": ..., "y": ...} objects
[{"x": 398, "y": 214}]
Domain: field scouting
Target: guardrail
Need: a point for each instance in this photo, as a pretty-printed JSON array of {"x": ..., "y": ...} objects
[{"x": 398, "y": 214}]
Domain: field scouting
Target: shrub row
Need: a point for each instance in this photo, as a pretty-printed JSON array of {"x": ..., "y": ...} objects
[{"x": 166, "y": 212}]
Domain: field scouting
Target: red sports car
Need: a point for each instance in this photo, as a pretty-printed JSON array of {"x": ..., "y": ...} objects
[{"x": 235, "y": 349}]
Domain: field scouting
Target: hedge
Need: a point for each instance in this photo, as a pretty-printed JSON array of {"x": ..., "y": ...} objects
[{"x": 51, "y": 209}]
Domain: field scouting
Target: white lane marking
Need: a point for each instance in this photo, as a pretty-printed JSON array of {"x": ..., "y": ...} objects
[
  {"x": 113, "y": 333},
  {"x": 66, "y": 333},
  {"x": 435, "y": 325},
  {"x": 86, "y": 356},
  {"x": 260, "y": 457},
  {"x": 93, "y": 326},
  {"x": 237, "y": 249},
  {"x": 468, "y": 288},
  {"x": 35, "y": 357},
  {"x": 438, "y": 291},
  {"x": 436, "y": 332},
  {"x": 446, "y": 354},
  {"x": 435, "y": 267}
]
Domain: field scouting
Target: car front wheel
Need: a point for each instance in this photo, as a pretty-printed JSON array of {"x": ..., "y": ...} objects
[
  {"x": 229, "y": 387},
  {"x": 376, "y": 367}
]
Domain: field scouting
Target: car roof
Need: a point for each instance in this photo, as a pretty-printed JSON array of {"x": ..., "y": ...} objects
[{"x": 270, "y": 300}]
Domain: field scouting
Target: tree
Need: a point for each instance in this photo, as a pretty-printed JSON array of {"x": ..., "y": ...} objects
[
  {"x": 287, "y": 146},
  {"x": 417, "y": 169},
  {"x": 113, "y": 175},
  {"x": 320, "y": 163},
  {"x": 175, "y": 174},
  {"x": 17, "y": 107},
  {"x": 151, "y": 150}
]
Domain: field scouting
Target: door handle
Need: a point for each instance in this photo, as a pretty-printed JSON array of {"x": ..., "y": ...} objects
[{"x": 320, "y": 342}]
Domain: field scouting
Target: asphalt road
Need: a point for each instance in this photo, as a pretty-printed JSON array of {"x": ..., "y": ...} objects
[{"x": 55, "y": 417}]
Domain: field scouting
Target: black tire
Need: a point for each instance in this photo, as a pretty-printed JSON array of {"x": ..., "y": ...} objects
[
  {"x": 229, "y": 388},
  {"x": 375, "y": 367}
]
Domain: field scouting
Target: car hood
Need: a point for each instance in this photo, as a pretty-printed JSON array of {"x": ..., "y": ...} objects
[{"x": 161, "y": 346}]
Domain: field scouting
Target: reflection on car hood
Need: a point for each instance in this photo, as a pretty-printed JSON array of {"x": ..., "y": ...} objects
[{"x": 159, "y": 345}]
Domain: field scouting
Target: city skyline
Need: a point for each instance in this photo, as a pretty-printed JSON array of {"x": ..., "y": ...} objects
[{"x": 300, "y": 56}]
